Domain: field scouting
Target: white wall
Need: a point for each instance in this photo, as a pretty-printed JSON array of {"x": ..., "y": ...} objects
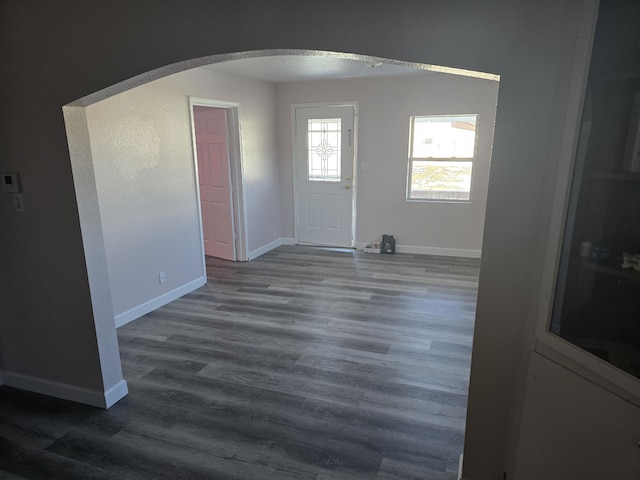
[
  {"x": 385, "y": 105},
  {"x": 145, "y": 175}
]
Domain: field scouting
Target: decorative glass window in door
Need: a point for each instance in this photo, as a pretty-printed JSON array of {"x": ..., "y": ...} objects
[{"x": 324, "y": 143}]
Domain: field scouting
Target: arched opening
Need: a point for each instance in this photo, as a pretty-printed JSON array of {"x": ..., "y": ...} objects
[
  {"x": 141, "y": 133},
  {"x": 137, "y": 142}
]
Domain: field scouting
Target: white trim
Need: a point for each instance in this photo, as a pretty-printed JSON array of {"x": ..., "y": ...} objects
[
  {"x": 116, "y": 393},
  {"x": 196, "y": 174},
  {"x": 294, "y": 166},
  {"x": 270, "y": 246},
  {"x": 66, "y": 391},
  {"x": 146, "y": 307},
  {"x": 237, "y": 175},
  {"x": 211, "y": 102},
  {"x": 589, "y": 367},
  {"x": 473, "y": 159},
  {"x": 460, "y": 466},
  {"x": 445, "y": 252},
  {"x": 265, "y": 248}
]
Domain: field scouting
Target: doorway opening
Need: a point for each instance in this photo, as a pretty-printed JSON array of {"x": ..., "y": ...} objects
[
  {"x": 324, "y": 166},
  {"x": 215, "y": 129},
  {"x": 147, "y": 290}
]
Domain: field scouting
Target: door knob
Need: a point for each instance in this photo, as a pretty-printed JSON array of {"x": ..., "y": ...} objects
[{"x": 347, "y": 187}]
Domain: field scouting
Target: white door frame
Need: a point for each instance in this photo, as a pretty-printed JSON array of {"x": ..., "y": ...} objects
[
  {"x": 354, "y": 182},
  {"x": 236, "y": 173}
]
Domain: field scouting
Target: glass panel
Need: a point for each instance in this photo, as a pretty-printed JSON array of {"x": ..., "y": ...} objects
[
  {"x": 440, "y": 180},
  {"x": 597, "y": 300},
  {"x": 444, "y": 136},
  {"x": 324, "y": 141}
]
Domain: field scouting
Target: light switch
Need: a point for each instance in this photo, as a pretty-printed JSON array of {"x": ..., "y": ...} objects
[{"x": 11, "y": 182}]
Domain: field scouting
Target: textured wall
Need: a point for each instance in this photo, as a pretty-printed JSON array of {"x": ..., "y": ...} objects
[
  {"x": 257, "y": 143},
  {"x": 385, "y": 105},
  {"x": 145, "y": 175}
]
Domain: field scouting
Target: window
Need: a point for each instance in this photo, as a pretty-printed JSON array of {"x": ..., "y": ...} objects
[
  {"x": 324, "y": 149},
  {"x": 441, "y": 153}
]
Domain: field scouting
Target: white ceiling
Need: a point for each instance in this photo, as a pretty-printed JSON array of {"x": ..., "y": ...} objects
[{"x": 295, "y": 68}]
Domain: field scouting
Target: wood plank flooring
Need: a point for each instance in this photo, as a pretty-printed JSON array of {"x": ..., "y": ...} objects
[{"x": 305, "y": 363}]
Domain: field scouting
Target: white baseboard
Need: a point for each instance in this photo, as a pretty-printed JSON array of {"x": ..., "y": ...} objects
[
  {"x": 95, "y": 398},
  {"x": 270, "y": 246},
  {"x": 153, "y": 304},
  {"x": 445, "y": 252},
  {"x": 115, "y": 393},
  {"x": 253, "y": 254}
]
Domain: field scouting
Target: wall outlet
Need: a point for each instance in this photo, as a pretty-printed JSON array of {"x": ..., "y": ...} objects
[{"x": 162, "y": 278}]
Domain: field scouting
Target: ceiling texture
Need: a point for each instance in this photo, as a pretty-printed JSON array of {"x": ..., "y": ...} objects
[{"x": 296, "y": 68}]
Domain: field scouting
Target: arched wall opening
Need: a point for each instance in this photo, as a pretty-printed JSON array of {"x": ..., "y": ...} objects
[
  {"x": 136, "y": 152},
  {"x": 131, "y": 123},
  {"x": 533, "y": 47}
]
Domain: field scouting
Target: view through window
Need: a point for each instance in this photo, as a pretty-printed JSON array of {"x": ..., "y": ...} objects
[{"x": 441, "y": 154}]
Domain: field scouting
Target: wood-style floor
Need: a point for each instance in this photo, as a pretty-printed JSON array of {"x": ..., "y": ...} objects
[{"x": 305, "y": 363}]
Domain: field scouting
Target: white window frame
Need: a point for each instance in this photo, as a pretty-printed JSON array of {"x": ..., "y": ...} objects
[{"x": 412, "y": 159}]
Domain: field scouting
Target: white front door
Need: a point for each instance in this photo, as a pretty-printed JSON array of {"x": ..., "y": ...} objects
[
  {"x": 324, "y": 139},
  {"x": 212, "y": 152}
]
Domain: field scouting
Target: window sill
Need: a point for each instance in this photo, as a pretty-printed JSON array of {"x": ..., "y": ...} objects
[{"x": 436, "y": 200}]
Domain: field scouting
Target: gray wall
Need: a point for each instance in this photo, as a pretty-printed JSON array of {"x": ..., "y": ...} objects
[
  {"x": 54, "y": 53},
  {"x": 385, "y": 105},
  {"x": 145, "y": 176},
  {"x": 580, "y": 430}
]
